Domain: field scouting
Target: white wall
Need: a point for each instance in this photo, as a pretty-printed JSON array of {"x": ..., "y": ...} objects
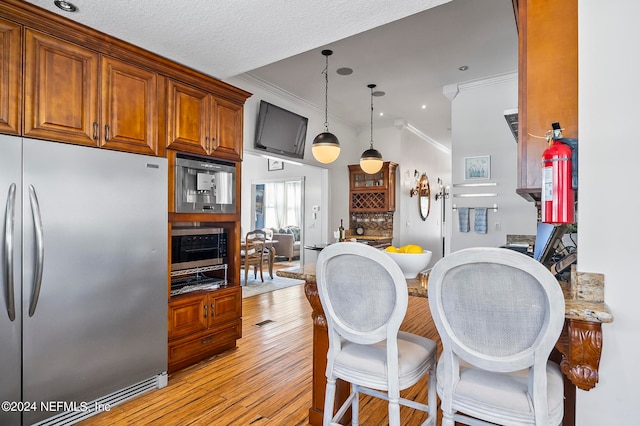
[
  {"x": 325, "y": 184},
  {"x": 425, "y": 157},
  {"x": 608, "y": 205},
  {"x": 479, "y": 128}
]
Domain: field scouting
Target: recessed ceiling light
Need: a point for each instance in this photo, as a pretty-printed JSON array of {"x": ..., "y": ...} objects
[
  {"x": 66, "y": 6},
  {"x": 381, "y": 114},
  {"x": 424, "y": 107},
  {"x": 344, "y": 71},
  {"x": 463, "y": 68}
]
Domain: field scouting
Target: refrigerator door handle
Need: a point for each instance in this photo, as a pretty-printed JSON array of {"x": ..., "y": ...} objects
[
  {"x": 9, "y": 218},
  {"x": 39, "y": 263}
]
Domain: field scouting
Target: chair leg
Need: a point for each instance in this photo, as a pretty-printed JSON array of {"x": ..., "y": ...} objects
[
  {"x": 329, "y": 396},
  {"x": 432, "y": 396},
  {"x": 355, "y": 405},
  {"x": 394, "y": 410}
]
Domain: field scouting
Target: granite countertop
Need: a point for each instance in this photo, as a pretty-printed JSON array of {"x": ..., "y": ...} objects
[{"x": 575, "y": 308}]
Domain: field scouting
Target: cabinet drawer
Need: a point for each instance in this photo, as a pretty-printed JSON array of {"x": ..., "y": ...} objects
[{"x": 203, "y": 343}]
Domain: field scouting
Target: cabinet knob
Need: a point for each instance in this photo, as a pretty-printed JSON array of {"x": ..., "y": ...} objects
[
  {"x": 95, "y": 130},
  {"x": 107, "y": 136},
  {"x": 213, "y": 143},
  {"x": 205, "y": 310},
  {"x": 206, "y": 142}
]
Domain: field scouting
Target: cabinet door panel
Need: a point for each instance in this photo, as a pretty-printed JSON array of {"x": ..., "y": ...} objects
[
  {"x": 225, "y": 307},
  {"x": 129, "y": 108},
  {"x": 10, "y": 76},
  {"x": 228, "y": 129},
  {"x": 188, "y": 112},
  {"x": 61, "y": 90},
  {"x": 187, "y": 316}
]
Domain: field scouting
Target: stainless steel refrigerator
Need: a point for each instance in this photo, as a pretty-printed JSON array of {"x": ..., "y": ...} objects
[{"x": 83, "y": 323}]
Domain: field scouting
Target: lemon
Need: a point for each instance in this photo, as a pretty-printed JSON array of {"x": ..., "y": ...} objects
[
  {"x": 391, "y": 249},
  {"x": 413, "y": 248}
]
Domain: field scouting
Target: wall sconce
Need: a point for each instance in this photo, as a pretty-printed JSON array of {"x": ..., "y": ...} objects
[
  {"x": 443, "y": 191},
  {"x": 421, "y": 184}
]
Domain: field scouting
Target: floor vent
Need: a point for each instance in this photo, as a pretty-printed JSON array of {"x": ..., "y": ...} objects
[
  {"x": 106, "y": 402},
  {"x": 261, "y": 323}
]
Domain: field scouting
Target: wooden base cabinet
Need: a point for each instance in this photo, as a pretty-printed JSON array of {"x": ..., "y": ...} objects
[{"x": 202, "y": 324}]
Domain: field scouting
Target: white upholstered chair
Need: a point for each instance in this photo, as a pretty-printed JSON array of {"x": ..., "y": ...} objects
[
  {"x": 499, "y": 314},
  {"x": 364, "y": 296}
]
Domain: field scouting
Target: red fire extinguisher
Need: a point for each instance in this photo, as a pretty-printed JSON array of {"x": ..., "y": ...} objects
[{"x": 557, "y": 191}]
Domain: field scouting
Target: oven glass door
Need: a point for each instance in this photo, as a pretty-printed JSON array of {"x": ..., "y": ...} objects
[{"x": 197, "y": 250}]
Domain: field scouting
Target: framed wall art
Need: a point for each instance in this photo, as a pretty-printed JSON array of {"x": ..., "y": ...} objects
[
  {"x": 477, "y": 167},
  {"x": 275, "y": 164}
]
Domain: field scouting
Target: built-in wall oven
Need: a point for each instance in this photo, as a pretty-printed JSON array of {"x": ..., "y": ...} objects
[
  {"x": 197, "y": 247},
  {"x": 199, "y": 258}
]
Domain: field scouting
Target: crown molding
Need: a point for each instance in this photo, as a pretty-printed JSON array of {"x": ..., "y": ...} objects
[
  {"x": 452, "y": 90},
  {"x": 404, "y": 125}
]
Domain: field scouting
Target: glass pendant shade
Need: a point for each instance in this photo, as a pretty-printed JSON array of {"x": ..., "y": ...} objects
[
  {"x": 325, "y": 148},
  {"x": 371, "y": 161}
]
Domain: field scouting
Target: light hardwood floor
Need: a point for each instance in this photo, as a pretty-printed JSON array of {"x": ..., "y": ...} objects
[{"x": 266, "y": 380}]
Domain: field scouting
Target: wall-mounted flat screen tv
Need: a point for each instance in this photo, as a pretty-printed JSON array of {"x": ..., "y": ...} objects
[{"x": 279, "y": 131}]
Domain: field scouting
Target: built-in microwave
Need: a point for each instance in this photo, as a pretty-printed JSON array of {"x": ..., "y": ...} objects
[
  {"x": 204, "y": 185},
  {"x": 197, "y": 247}
]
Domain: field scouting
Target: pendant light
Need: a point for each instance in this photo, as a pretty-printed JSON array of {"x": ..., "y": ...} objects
[
  {"x": 371, "y": 159},
  {"x": 326, "y": 147}
]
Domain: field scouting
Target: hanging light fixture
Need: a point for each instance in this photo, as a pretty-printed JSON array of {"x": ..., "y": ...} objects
[
  {"x": 371, "y": 159},
  {"x": 326, "y": 147}
]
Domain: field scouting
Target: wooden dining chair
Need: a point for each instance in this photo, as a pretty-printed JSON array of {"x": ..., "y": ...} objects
[{"x": 254, "y": 253}]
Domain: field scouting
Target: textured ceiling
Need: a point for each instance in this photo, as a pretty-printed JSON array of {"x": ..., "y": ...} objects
[
  {"x": 409, "y": 48},
  {"x": 224, "y": 38}
]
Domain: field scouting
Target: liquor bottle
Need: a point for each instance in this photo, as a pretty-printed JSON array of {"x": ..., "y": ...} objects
[{"x": 341, "y": 232}]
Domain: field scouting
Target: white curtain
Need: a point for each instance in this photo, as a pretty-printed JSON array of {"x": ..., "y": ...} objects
[{"x": 282, "y": 204}]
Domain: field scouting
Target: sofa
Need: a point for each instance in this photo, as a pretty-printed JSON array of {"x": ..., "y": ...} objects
[{"x": 288, "y": 242}]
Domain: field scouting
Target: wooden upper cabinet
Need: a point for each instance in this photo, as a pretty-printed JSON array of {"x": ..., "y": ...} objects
[
  {"x": 228, "y": 125},
  {"x": 188, "y": 112},
  {"x": 201, "y": 123},
  {"x": 548, "y": 82},
  {"x": 61, "y": 90},
  {"x": 63, "y": 100},
  {"x": 10, "y": 76},
  {"x": 129, "y": 108},
  {"x": 371, "y": 193}
]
